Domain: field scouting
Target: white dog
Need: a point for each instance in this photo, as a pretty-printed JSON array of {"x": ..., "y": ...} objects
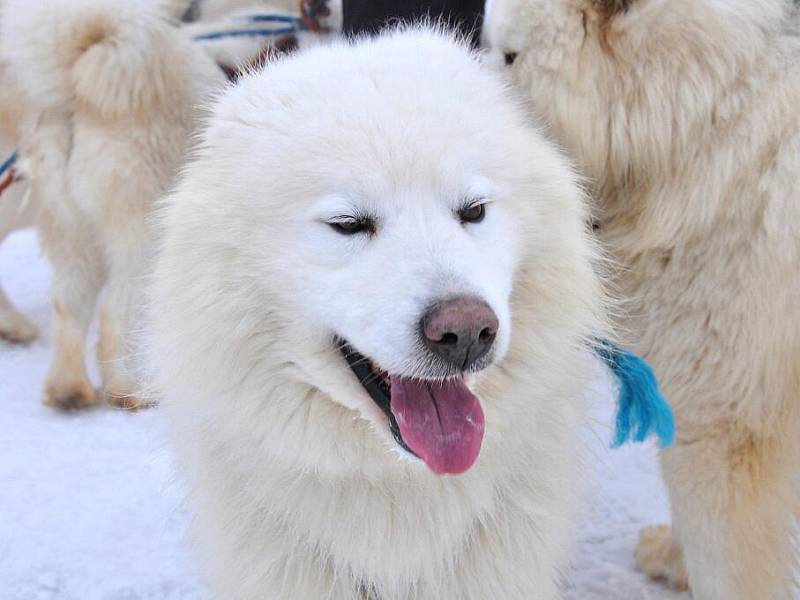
[
  {"x": 110, "y": 91},
  {"x": 68, "y": 25},
  {"x": 375, "y": 257},
  {"x": 685, "y": 115}
]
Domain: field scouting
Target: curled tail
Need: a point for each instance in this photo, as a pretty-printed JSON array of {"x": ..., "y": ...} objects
[{"x": 105, "y": 55}]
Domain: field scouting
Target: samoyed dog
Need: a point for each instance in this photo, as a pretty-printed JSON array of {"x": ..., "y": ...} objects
[
  {"x": 684, "y": 113},
  {"x": 371, "y": 318},
  {"x": 108, "y": 94}
]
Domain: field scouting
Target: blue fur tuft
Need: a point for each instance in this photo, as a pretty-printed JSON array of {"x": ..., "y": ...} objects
[{"x": 642, "y": 410}]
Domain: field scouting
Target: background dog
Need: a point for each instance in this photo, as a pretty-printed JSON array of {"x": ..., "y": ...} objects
[
  {"x": 685, "y": 115},
  {"x": 111, "y": 93},
  {"x": 349, "y": 293}
]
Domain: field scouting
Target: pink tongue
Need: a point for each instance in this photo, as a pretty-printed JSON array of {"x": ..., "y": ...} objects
[{"x": 441, "y": 422}]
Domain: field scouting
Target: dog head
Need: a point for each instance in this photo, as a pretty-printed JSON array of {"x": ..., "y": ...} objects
[
  {"x": 359, "y": 222},
  {"x": 630, "y": 86}
]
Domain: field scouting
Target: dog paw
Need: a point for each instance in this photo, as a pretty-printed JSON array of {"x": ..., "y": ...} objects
[
  {"x": 17, "y": 329},
  {"x": 129, "y": 402},
  {"x": 660, "y": 557},
  {"x": 70, "y": 398}
]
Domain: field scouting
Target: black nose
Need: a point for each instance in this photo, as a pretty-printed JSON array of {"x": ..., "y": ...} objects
[{"x": 460, "y": 331}]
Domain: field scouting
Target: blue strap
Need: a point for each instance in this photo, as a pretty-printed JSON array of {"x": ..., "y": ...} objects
[
  {"x": 218, "y": 35},
  {"x": 9, "y": 162},
  {"x": 276, "y": 19},
  {"x": 641, "y": 408},
  {"x": 293, "y": 25}
]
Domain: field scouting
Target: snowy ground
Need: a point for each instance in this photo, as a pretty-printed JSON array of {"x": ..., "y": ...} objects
[{"x": 90, "y": 508}]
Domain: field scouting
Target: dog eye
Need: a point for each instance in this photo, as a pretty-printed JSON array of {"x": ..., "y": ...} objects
[
  {"x": 510, "y": 57},
  {"x": 353, "y": 226},
  {"x": 473, "y": 213}
]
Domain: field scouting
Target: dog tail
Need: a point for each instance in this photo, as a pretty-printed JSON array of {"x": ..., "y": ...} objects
[{"x": 105, "y": 55}]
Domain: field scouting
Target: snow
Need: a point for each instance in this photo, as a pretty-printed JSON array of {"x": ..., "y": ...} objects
[{"x": 90, "y": 507}]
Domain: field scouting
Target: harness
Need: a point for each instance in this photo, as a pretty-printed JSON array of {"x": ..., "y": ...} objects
[
  {"x": 285, "y": 25},
  {"x": 281, "y": 39}
]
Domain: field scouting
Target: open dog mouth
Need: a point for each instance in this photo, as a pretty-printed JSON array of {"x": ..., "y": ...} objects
[{"x": 441, "y": 422}]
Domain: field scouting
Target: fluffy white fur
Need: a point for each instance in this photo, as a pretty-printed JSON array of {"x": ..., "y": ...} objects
[
  {"x": 685, "y": 115},
  {"x": 109, "y": 92},
  {"x": 300, "y": 490}
]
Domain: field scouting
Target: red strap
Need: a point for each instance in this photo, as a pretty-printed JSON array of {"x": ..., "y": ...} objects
[{"x": 8, "y": 180}]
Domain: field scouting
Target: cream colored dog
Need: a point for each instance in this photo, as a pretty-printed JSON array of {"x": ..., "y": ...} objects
[
  {"x": 685, "y": 115},
  {"x": 374, "y": 259},
  {"x": 110, "y": 91}
]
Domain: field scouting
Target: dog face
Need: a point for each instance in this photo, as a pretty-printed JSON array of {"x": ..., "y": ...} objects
[
  {"x": 629, "y": 85},
  {"x": 393, "y": 252},
  {"x": 380, "y": 208},
  {"x": 411, "y": 277}
]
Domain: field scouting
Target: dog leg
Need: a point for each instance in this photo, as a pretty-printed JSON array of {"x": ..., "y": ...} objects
[
  {"x": 14, "y": 326},
  {"x": 15, "y": 214},
  {"x": 732, "y": 503},
  {"x": 119, "y": 314},
  {"x": 661, "y": 557},
  {"x": 77, "y": 278}
]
